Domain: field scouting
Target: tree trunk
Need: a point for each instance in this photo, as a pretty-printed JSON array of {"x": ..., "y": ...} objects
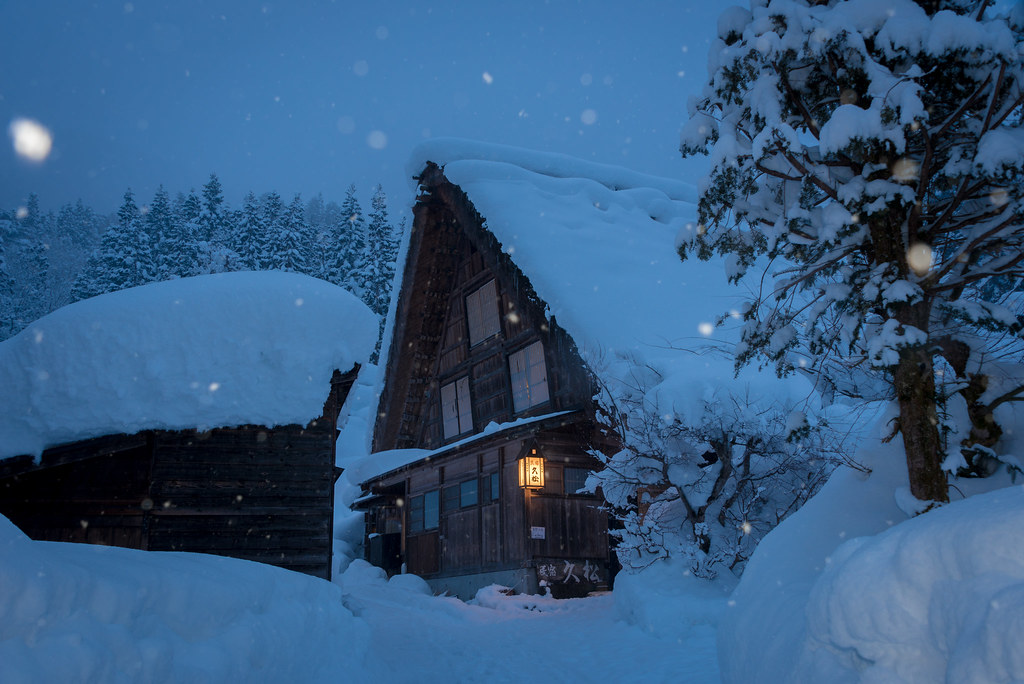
[{"x": 914, "y": 381}]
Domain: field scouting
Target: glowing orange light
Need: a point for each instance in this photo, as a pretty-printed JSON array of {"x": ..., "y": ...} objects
[{"x": 531, "y": 471}]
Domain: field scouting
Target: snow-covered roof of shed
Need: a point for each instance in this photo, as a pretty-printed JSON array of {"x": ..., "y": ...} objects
[
  {"x": 598, "y": 244},
  {"x": 204, "y": 352}
]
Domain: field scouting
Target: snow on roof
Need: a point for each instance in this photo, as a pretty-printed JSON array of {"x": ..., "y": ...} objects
[
  {"x": 598, "y": 244},
  {"x": 369, "y": 467},
  {"x": 204, "y": 352}
]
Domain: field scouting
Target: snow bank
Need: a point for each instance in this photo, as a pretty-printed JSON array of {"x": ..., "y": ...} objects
[
  {"x": 666, "y": 599},
  {"x": 211, "y": 351},
  {"x": 848, "y": 590},
  {"x": 78, "y": 613}
]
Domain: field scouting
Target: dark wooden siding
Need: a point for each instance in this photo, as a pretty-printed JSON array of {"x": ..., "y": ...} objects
[
  {"x": 250, "y": 493},
  {"x": 99, "y": 500},
  {"x": 450, "y": 256}
]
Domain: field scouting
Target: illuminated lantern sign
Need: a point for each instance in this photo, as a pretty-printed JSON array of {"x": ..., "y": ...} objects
[{"x": 531, "y": 471}]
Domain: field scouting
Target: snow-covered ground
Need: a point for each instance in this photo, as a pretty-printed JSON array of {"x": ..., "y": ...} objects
[{"x": 79, "y": 613}]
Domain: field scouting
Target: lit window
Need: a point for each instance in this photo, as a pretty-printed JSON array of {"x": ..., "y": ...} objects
[
  {"x": 456, "y": 408},
  {"x": 482, "y": 313},
  {"x": 529, "y": 377}
]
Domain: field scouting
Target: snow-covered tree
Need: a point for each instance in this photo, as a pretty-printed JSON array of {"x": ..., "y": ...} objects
[
  {"x": 381, "y": 251},
  {"x": 214, "y": 217},
  {"x": 123, "y": 258},
  {"x": 289, "y": 247},
  {"x": 7, "y": 314},
  {"x": 871, "y": 153},
  {"x": 702, "y": 478},
  {"x": 248, "y": 237},
  {"x": 175, "y": 250},
  {"x": 350, "y": 265}
]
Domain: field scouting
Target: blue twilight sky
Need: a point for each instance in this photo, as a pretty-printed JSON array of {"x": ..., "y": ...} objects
[{"x": 312, "y": 96}]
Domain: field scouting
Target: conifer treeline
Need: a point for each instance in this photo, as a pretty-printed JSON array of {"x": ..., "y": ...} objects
[{"x": 48, "y": 260}]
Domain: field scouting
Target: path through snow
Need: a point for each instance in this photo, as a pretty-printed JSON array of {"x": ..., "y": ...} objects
[{"x": 416, "y": 637}]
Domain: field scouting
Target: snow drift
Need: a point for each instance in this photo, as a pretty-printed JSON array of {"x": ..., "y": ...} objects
[
  {"x": 82, "y": 613},
  {"x": 848, "y": 590}
]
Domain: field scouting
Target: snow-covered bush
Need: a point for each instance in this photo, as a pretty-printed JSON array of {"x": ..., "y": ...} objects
[
  {"x": 707, "y": 468},
  {"x": 872, "y": 151}
]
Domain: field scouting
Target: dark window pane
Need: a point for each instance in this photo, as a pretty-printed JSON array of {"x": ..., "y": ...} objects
[
  {"x": 467, "y": 494},
  {"x": 451, "y": 498},
  {"x": 575, "y": 479},
  {"x": 495, "y": 487},
  {"x": 430, "y": 510},
  {"x": 416, "y": 514}
]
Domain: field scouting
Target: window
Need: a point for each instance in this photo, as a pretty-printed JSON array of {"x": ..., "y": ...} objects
[
  {"x": 489, "y": 488},
  {"x": 467, "y": 493},
  {"x": 456, "y": 408},
  {"x": 451, "y": 498},
  {"x": 529, "y": 377},
  {"x": 482, "y": 313},
  {"x": 423, "y": 512},
  {"x": 462, "y": 495},
  {"x": 575, "y": 479}
]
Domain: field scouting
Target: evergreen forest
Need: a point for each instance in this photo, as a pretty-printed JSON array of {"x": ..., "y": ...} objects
[{"x": 50, "y": 259}]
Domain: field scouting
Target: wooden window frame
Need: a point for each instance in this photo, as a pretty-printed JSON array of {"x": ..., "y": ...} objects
[
  {"x": 417, "y": 516},
  {"x": 456, "y": 408},
  {"x": 528, "y": 376},
  {"x": 483, "y": 318},
  {"x": 565, "y": 480}
]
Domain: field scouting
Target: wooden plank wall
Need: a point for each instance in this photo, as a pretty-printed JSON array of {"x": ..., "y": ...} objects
[
  {"x": 99, "y": 500},
  {"x": 250, "y": 493}
]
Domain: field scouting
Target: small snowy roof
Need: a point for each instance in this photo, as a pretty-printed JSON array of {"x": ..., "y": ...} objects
[
  {"x": 370, "y": 467},
  {"x": 211, "y": 351},
  {"x": 598, "y": 244}
]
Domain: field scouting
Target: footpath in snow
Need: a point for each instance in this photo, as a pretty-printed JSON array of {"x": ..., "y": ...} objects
[{"x": 415, "y": 637}]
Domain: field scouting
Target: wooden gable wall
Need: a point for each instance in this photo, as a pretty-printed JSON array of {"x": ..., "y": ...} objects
[{"x": 451, "y": 254}]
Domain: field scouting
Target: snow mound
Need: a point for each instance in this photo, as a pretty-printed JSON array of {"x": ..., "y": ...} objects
[
  {"x": 83, "y": 613},
  {"x": 936, "y": 598},
  {"x": 848, "y": 590},
  {"x": 667, "y": 600},
  {"x": 210, "y": 351}
]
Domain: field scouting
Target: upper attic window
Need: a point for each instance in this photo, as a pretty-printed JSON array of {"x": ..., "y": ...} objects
[
  {"x": 529, "y": 377},
  {"x": 482, "y": 313},
  {"x": 456, "y": 408}
]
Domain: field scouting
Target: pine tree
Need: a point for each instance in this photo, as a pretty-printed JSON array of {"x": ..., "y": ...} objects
[
  {"x": 291, "y": 245},
  {"x": 870, "y": 151},
  {"x": 271, "y": 221},
  {"x": 159, "y": 224},
  {"x": 123, "y": 258},
  {"x": 247, "y": 240},
  {"x": 214, "y": 217},
  {"x": 30, "y": 264},
  {"x": 382, "y": 248},
  {"x": 350, "y": 266},
  {"x": 7, "y": 314}
]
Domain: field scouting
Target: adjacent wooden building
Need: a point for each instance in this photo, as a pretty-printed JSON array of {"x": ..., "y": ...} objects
[
  {"x": 250, "y": 492},
  {"x": 198, "y": 415},
  {"x": 494, "y": 395}
]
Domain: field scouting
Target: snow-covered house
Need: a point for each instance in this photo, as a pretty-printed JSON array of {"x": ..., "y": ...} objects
[
  {"x": 533, "y": 282},
  {"x": 192, "y": 415}
]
